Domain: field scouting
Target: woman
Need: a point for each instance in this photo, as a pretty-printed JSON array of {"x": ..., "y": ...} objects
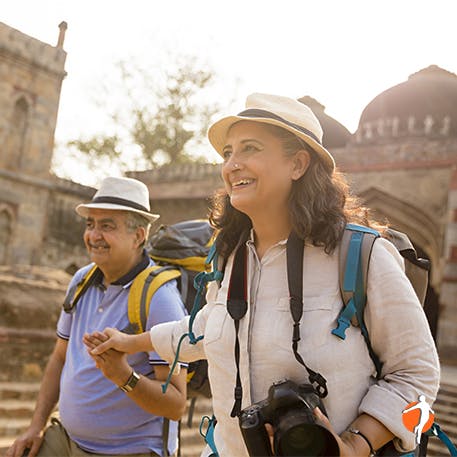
[{"x": 279, "y": 180}]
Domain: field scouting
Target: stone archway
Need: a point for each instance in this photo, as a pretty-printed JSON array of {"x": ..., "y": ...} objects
[
  {"x": 423, "y": 233},
  {"x": 420, "y": 227}
]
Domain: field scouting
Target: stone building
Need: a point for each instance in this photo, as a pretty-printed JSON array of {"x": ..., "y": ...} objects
[
  {"x": 402, "y": 161},
  {"x": 37, "y": 224}
]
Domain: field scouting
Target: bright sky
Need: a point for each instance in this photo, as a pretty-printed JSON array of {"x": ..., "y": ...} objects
[{"x": 341, "y": 52}]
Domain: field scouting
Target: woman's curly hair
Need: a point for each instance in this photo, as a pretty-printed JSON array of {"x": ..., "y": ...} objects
[{"x": 320, "y": 204}]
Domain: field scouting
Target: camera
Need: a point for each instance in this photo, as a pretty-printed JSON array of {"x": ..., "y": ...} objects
[{"x": 289, "y": 409}]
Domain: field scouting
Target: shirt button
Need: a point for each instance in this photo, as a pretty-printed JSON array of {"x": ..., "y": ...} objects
[{"x": 100, "y": 310}]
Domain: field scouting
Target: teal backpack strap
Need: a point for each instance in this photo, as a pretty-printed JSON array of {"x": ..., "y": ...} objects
[
  {"x": 200, "y": 283},
  {"x": 435, "y": 430},
  {"x": 208, "y": 435},
  {"x": 355, "y": 252}
]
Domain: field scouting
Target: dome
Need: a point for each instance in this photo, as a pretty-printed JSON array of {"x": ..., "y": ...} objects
[
  {"x": 424, "y": 105},
  {"x": 335, "y": 135}
]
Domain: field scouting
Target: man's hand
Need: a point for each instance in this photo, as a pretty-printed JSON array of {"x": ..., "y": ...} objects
[
  {"x": 30, "y": 439},
  {"x": 112, "y": 363}
]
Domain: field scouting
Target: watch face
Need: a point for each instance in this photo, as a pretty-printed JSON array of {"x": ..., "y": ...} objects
[{"x": 131, "y": 382}]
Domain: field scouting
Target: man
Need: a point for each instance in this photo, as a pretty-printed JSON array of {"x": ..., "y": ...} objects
[{"x": 113, "y": 404}]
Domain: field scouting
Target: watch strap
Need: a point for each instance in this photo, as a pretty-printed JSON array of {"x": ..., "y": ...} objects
[{"x": 131, "y": 382}]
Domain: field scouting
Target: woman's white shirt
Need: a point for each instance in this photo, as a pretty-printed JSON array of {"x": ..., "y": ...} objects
[{"x": 397, "y": 327}]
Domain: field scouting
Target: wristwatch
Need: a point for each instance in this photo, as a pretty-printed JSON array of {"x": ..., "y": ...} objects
[{"x": 131, "y": 382}]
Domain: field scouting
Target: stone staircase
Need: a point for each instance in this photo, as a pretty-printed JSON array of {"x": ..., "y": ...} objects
[{"x": 17, "y": 401}]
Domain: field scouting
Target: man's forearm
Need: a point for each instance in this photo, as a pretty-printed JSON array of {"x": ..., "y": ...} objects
[{"x": 48, "y": 395}]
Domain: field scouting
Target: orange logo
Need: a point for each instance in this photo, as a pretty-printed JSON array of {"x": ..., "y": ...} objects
[{"x": 418, "y": 417}]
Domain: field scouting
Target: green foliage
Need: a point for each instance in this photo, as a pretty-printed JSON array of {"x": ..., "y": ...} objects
[{"x": 166, "y": 116}]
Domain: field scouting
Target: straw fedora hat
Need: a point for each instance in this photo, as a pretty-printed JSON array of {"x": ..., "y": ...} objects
[
  {"x": 284, "y": 112},
  {"x": 123, "y": 194}
]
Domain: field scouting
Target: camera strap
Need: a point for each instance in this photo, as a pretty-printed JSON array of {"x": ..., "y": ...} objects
[
  {"x": 294, "y": 253},
  {"x": 237, "y": 305}
]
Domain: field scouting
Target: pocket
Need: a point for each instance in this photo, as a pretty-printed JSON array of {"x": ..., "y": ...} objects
[{"x": 316, "y": 322}]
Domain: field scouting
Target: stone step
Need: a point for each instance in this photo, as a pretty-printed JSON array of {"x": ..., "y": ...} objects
[
  {"x": 436, "y": 448},
  {"x": 5, "y": 443},
  {"x": 13, "y": 426},
  {"x": 16, "y": 408},
  {"x": 19, "y": 390},
  {"x": 446, "y": 409}
]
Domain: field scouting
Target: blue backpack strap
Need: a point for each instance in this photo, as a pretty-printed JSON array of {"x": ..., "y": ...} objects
[
  {"x": 355, "y": 252},
  {"x": 435, "y": 430},
  {"x": 200, "y": 282},
  {"x": 208, "y": 435}
]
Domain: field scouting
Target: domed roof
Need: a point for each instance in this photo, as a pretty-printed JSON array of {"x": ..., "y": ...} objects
[
  {"x": 335, "y": 135},
  {"x": 425, "y": 105}
]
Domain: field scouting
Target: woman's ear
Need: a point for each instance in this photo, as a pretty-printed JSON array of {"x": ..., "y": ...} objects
[{"x": 301, "y": 161}]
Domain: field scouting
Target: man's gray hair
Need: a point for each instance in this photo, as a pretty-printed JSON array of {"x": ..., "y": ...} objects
[{"x": 134, "y": 221}]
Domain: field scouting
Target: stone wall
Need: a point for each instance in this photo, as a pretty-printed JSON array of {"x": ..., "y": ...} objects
[{"x": 31, "y": 74}]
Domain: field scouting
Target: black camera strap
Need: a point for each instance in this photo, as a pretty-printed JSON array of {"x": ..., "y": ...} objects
[
  {"x": 237, "y": 305},
  {"x": 294, "y": 253}
]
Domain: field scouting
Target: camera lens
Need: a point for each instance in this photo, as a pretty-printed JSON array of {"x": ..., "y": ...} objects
[
  {"x": 296, "y": 435},
  {"x": 304, "y": 440}
]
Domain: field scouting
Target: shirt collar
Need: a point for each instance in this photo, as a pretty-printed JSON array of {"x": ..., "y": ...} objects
[
  {"x": 127, "y": 278},
  {"x": 250, "y": 240}
]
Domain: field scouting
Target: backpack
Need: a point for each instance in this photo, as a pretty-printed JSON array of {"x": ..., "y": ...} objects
[
  {"x": 179, "y": 251},
  {"x": 354, "y": 260},
  {"x": 355, "y": 251}
]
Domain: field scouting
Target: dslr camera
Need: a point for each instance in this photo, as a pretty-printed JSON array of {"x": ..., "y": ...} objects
[{"x": 289, "y": 409}]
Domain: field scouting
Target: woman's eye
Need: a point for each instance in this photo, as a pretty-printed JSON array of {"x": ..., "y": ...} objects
[
  {"x": 250, "y": 148},
  {"x": 226, "y": 154}
]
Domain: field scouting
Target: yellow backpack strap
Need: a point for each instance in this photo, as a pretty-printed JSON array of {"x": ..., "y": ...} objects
[
  {"x": 142, "y": 289},
  {"x": 75, "y": 293}
]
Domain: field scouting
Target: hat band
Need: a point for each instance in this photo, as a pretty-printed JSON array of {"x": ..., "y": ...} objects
[
  {"x": 267, "y": 114},
  {"x": 120, "y": 201}
]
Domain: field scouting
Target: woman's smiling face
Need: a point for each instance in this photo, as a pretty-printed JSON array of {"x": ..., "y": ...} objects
[{"x": 257, "y": 172}]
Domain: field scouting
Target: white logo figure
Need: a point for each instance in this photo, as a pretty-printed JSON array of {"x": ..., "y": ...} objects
[{"x": 425, "y": 411}]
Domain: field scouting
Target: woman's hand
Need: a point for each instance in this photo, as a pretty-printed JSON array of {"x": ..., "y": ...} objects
[
  {"x": 350, "y": 445},
  {"x": 99, "y": 342}
]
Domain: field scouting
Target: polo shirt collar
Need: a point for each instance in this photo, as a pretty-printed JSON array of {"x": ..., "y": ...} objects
[{"x": 130, "y": 276}]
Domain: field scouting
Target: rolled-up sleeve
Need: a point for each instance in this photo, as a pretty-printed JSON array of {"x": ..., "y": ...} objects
[
  {"x": 166, "y": 337},
  {"x": 401, "y": 337}
]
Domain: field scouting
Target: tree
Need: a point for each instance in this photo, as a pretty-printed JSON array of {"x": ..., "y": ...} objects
[{"x": 166, "y": 116}]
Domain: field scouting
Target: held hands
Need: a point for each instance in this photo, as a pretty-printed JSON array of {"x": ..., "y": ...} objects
[
  {"x": 111, "y": 338},
  {"x": 112, "y": 363}
]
